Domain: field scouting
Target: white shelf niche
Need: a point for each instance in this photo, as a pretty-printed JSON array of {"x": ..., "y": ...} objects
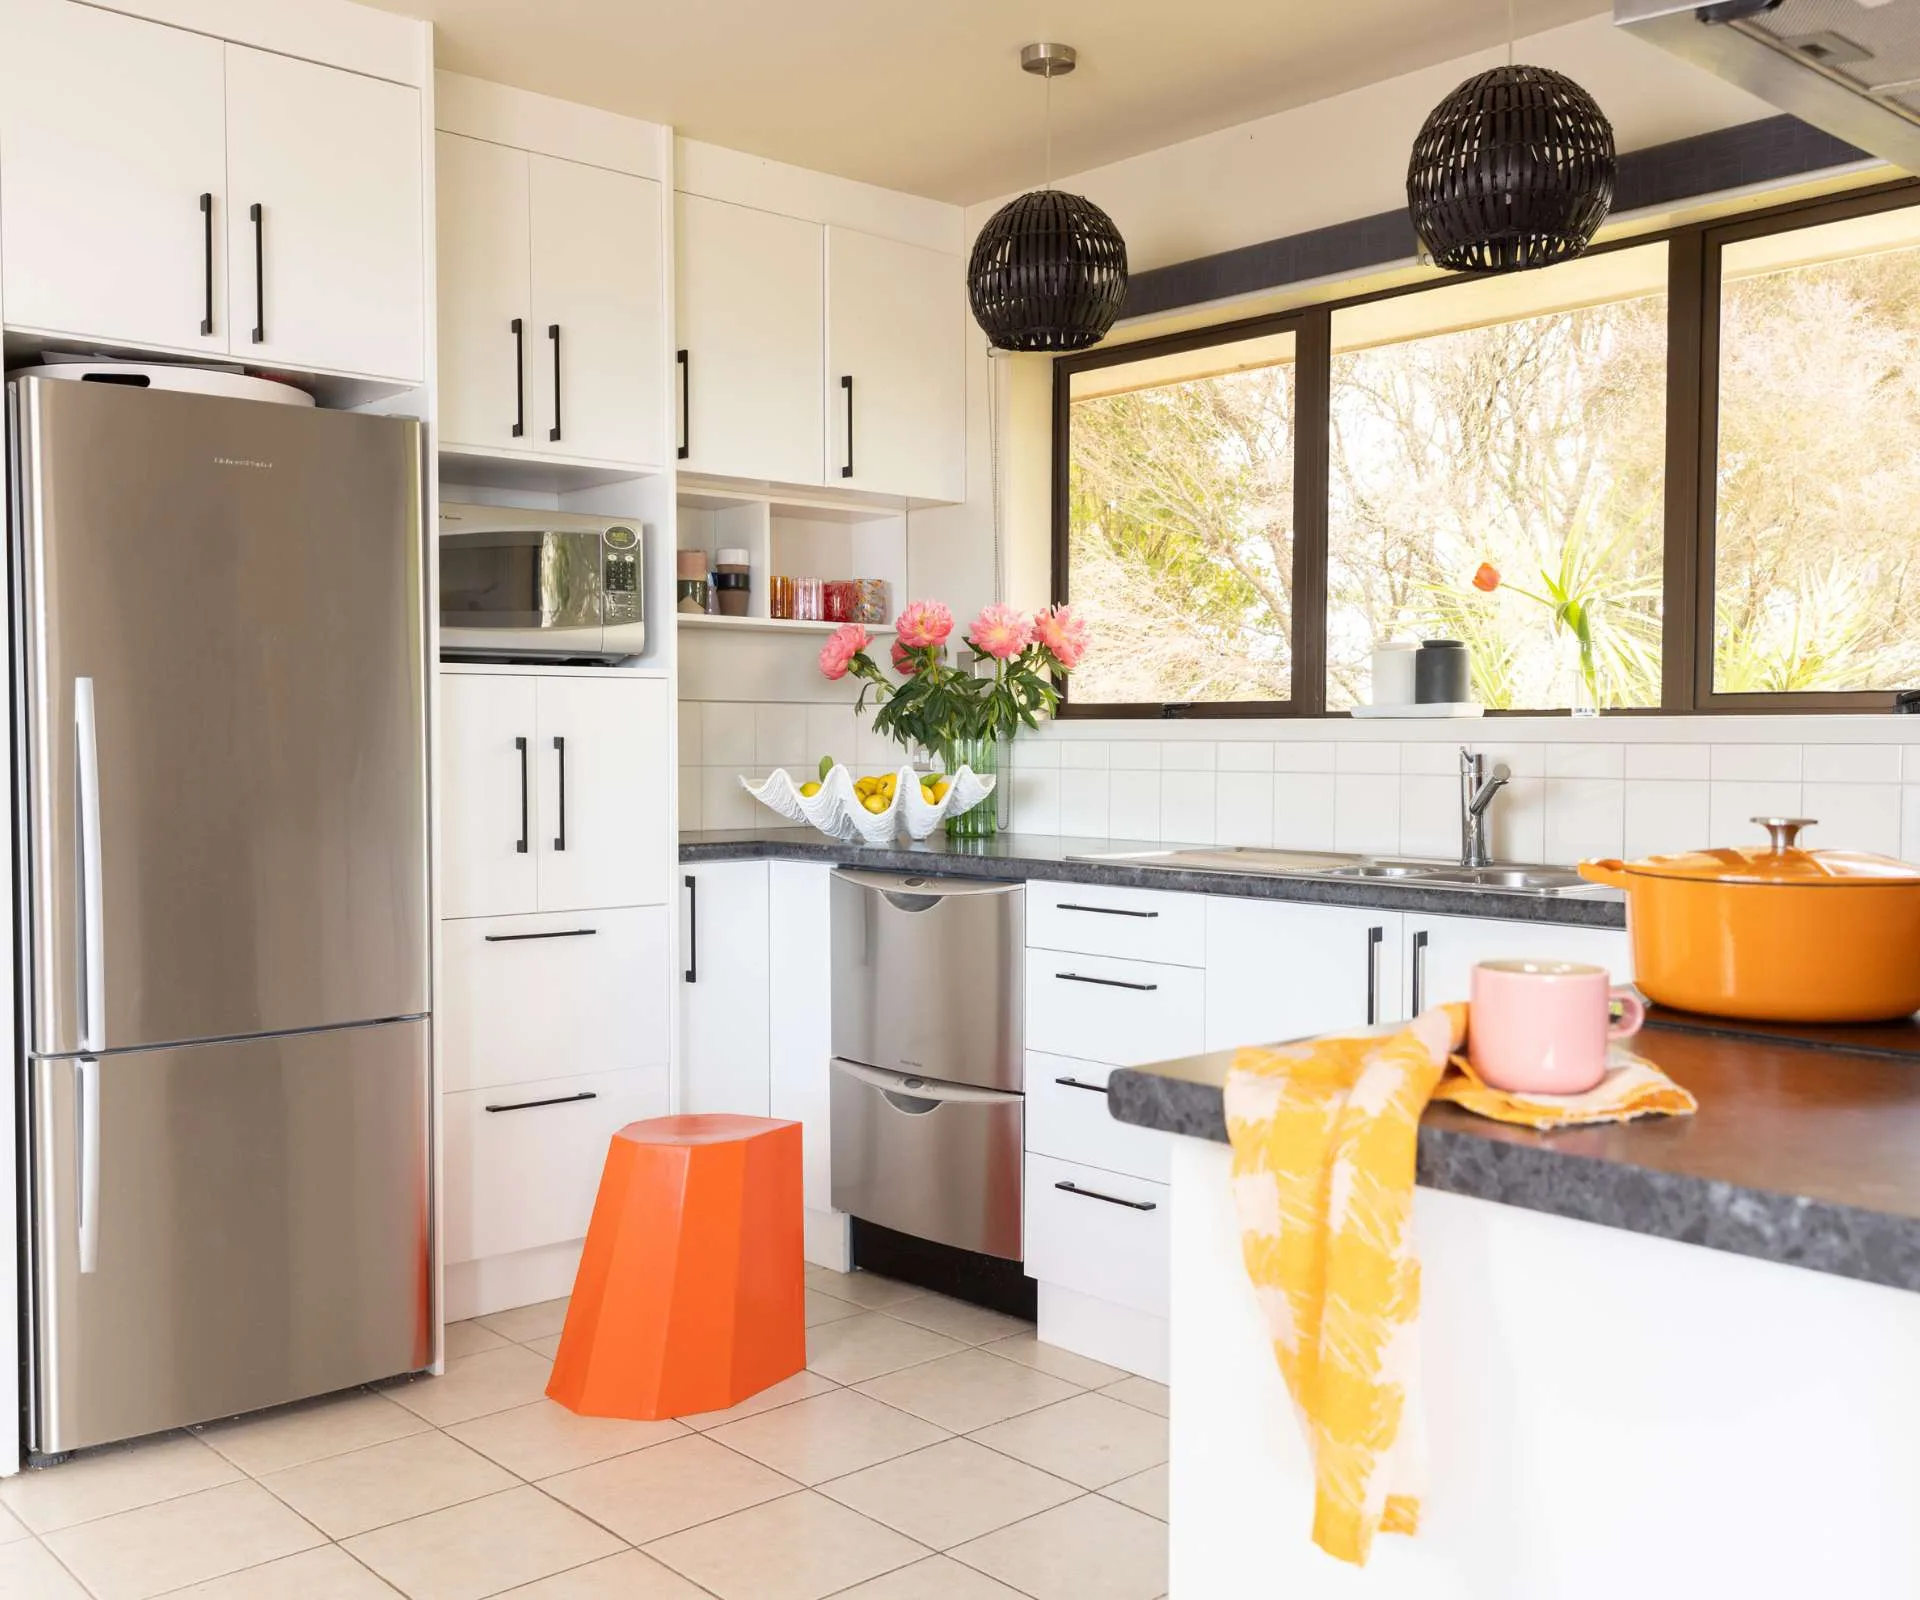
[{"x": 795, "y": 539}]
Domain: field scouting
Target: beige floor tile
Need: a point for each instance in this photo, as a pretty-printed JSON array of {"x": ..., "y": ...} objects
[
  {"x": 167, "y": 1546},
  {"x": 290, "y": 1436},
  {"x": 950, "y": 1492},
  {"x": 1027, "y": 1349},
  {"x": 665, "y": 1488},
  {"x": 527, "y": 1322},
  {"x": 539, "y": 1440},
  {"x": 1088, "y": 1549},
  {"x": 482, "y": 1547},
  {"x": 936, "y": 1578},
  {"x": 967, "y": 1391},
  {"x": 827, "y": 1436},
  {"x": 969, "y": 1324},
  {"x": 1141, "y": 1392},
  {"x": 783, "y": 1393},
  {"x": 627, "y": 1576},
  {"x": 800, "y": 1548},
  {"x": 325, "y": 1573},
  {"x": 114, "y": 1478},
  {"x": 470, "y": 1338},
  {"x": 28, "y": 1569},
  {"x": 367, "y": 1489},
  {"x": 548, "y": 1347},
  {"x": 827, "y": 1308},
  {"x": 867, "y": 1289},
  {"x": 1089, "y": 1440},
  {"x": 858, "y": 1348},
  {"x": 1144, "y": 1491},
  {"x": 12, "y": 1528},
  {"x": 475, "y": 1386}
]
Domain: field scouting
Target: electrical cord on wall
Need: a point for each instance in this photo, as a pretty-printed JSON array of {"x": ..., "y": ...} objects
[{"x": 993, "y": 467}]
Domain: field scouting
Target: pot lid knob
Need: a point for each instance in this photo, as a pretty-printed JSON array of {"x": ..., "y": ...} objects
[{"x": 1784, "y": 831}]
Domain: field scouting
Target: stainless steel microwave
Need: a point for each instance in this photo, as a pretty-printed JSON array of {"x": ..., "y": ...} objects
[{"x": 540, "y": 586}]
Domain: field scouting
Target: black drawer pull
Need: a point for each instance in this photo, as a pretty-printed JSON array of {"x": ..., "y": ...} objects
[
  {"x": 258, "y": 219},
  {"x": 1107, "y": 911},
  {"x": 1105, "y": 983},
  {"x": 519, "y": 377},
  {"x": 206, "y": 243},
  {"x": 1095, "y": 1194},
  {"x": 557, "y": 1100},
  {"x": 558, "y": 933},
  {"x": 1075, "y": 1083}
]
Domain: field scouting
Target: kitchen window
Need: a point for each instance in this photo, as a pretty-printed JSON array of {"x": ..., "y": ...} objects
[{"x": 1703, "y": 441}]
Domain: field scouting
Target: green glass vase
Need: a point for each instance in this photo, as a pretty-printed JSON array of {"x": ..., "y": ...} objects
[{"x": 982, "y": 757}]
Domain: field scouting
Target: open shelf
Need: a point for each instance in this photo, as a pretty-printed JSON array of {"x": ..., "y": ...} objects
[{"x": 688, "y": 619}]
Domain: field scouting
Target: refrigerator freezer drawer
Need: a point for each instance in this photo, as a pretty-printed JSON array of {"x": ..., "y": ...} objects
[{"x": 221, "y": 1227}]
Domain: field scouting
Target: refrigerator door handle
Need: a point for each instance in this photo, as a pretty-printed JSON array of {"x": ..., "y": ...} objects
[
  {"x": 86, "y": 1158},
  {"x": 93, "y": 962}
]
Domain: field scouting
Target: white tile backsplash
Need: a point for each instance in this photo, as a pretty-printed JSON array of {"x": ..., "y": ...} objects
[
  {"x": 1303, "y": 810},
  {"x": 1187, "y": 806},
  {"x": 1084, "y": 803},
  {"x": 689, "y": 734},
  {"x": 1519, "y": 831},
  {"x": 1586, "y": 761},
  {"x": 830, "y": 732},
  {"x": 724, "y": 804},
  {"x": 1246, "y": 755},
  {"x": 1910, "y": 822},
  {"x": 1852, "y": 816},
  {"x": 1036, "y": 800},
  {"x": 1371, "y": 755},
  {"x": 1430, "y": 815},
  {"x": 1851, "y": 763},
  {"x": 1133, "y": 804},
  {"x": 1366, "y": 811},
  {"x": 1129, "y": 755},
  {"x": 1293, "y": 756},
  {"x": 1243, "y": 808},
  {"x": 1585, "y": 817},
  {"x": 1755, "y": 763},
  {"x": 1669, "y": 762},
  {"x": 780, "y": 738},
  {"x": 1187, "y": 755},
  {"x": 726, "y": 734},
  {"x": 1664, "y": 818},
  {"x": 1083, "y": 753},
  {"x": 1733, "y": 806}
]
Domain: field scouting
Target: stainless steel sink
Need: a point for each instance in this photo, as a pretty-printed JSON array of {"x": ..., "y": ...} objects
[
  {"x": 1528, "y": 880},
  {"x": 1339, "y": 866}
]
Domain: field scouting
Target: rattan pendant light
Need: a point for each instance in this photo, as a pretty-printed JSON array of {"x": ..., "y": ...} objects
[
  {"x": 1513, "y": 170},
  {"x": 1049, "y": 270}
]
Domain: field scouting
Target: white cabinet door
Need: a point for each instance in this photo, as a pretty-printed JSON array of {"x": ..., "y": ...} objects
[
  {"x": 598, "y": 304},
  {"x": 332, "y": 161},
  {"x": 487, "y": 826},
  {"x": 603, "y": 792},
  {"x": 750, "y": 303},
  {"x": 896, "y": 368},
  {"x": 724, "y": 997},
  {"x": 1441, "y": 952},
  {"x": 112, "y": 131},
  {"x": 1277, "y": 971},
  {"x": 485, "y": 291}
]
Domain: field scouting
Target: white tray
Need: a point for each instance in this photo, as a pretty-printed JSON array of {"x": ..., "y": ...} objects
[
  {"x": 837, "y": 812},
  {"x": 1444, "y": 708}
]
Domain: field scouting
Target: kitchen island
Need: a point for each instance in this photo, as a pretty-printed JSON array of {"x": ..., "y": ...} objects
[{"x": 1675, "y": 1357}]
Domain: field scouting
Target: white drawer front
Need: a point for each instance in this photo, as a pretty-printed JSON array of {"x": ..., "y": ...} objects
[
  {"x": 522, "y": 1177},
  {"x": 553, "y": 996},
  {"x": 1126, "y": 1013},
  {"x": 1104, "y": 1235},
  {"x": 1067, "y": 1117},
  {"x": 1134, "y": 924}
]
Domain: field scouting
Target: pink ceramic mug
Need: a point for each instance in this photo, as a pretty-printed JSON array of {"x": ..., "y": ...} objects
[{"x": 1542, "y": 1027}]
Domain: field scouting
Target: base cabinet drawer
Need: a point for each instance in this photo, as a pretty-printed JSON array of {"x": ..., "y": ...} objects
[
  {"x": 1133, "y": 924},
  {"x": 1067, "y": 1117},
  {"x": 1127, "y": 1013},
  {"x": 523, "y": 1160},
  {"x": 553, "y": 996},
  {"x": 1098, "y": 1233}
]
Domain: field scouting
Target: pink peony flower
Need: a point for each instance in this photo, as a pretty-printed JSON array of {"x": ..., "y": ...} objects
[
  {"x": 924, "y": 624},
  {"x": 904, "y": 661},
  {"x": 1063, "y": 635},
  {"x": 1000, "y": 632},
  {"x": 842, "y": 645}
]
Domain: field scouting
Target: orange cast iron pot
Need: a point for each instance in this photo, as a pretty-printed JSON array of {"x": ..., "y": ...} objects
[{"x": 1775, "y": 933}]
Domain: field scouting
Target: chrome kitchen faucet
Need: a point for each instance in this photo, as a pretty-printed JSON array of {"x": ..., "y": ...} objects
[{"x": 1477, "y": 789}]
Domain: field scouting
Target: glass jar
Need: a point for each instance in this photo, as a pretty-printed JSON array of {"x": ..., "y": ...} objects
[
  {"x": 982, "y": 758},
  {"x": 839, "y": 600},
  {"x": 780, "y": 598},
  {"x": 872, "y": 601},
  {"x": 809, "y": 599}
]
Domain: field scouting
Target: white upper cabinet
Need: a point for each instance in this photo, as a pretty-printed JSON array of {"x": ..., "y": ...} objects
[
  {"x": 750, "y": 300},
  {"x": 113, "y": 165},
  {"x": 324, "y": 232},
  {"x": 896, "y": 374},
  {"x": 486, "y": 312}
]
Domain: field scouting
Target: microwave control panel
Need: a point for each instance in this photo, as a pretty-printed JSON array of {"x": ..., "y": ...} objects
[{"x": 621, "y": 581}]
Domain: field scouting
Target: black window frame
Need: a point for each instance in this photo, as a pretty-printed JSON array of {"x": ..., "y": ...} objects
[{"x": 1690, "y": 510}]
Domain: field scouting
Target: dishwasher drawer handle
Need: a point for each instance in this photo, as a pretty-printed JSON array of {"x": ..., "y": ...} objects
[
  {"x": 1105, "y": 983},
  {"x": 1111, "y": 1199},
  {"x": 556, "y": 1100},
  {"x": 1075, "y": 1083},
  {"x": 1107, "y": 911},
  {"x": 558, "y": 933}
]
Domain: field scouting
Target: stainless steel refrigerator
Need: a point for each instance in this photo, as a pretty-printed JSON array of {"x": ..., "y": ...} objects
[{"x": 221, "y": 768}]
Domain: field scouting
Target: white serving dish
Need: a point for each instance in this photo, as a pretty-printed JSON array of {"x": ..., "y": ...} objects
[
  {"x": 1440, "y": 708},
  {"x": 837, "y": 812}
]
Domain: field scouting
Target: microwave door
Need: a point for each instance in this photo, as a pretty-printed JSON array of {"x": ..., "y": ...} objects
[
  {"x": 534, "y": 592},
  {"x": 570, "y": 580}
]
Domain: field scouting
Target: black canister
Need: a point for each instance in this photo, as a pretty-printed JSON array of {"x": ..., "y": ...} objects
[{"x": 1442, "y": 674}]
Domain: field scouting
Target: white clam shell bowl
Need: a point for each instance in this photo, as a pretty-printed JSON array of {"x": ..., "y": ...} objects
[{"x": 837, "y": 812}]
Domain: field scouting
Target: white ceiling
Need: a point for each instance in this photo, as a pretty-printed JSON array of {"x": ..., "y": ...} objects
[{"x": 927, "y": 95}]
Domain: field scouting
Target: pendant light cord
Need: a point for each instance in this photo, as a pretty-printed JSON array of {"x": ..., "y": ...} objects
[
  {"x": 1510, "y": 32},
  {"x": 1048, "y": 115}
]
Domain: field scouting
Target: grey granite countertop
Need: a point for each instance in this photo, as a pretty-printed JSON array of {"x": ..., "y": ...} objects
[
  {"x": 1036, "y": 855},
  {"x": 1803, "y": 1151}
]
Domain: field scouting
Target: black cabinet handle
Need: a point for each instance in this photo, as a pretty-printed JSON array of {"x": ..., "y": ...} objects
[
  {"x": 558, "y": 933},
  {"x": 521, "y": 746},
  {"x": 560, "y": 750},
  {"x": 259, "y": 273},
  {"x": 206, "y": 247},
  {"x": 1105, "y": 983},
  {"x": 553, "y": 333},
  {"x": 556, "y": 1100},
  {"x": 846, "y": 383},
  {"x": 1106, "y": 911},
  {"x": 1374, "y": 936},
  {"x": 1094, "y": 1194},
  {"x": 519, "y": 377},
  {"x": 686, "y": 406},
  {"x": 1419, "y": 971},
  {"x": 693, "y": 928},
  {"x": 1075, "y": 1083}
]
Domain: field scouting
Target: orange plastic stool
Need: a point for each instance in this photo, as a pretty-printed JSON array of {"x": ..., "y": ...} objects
[{"x": 691, "y": 1295}]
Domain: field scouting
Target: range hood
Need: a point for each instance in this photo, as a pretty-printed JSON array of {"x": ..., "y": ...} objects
[{"x": 1850, "y": 67}]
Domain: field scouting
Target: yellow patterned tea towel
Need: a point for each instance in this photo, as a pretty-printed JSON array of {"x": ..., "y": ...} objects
[
  {"x": 1324, "y": 1137},
  {"x": 1633, "y": 1087}
]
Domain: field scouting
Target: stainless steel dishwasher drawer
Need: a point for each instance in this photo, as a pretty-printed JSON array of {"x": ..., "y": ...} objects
[{"x": 939, "y": 1161}]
